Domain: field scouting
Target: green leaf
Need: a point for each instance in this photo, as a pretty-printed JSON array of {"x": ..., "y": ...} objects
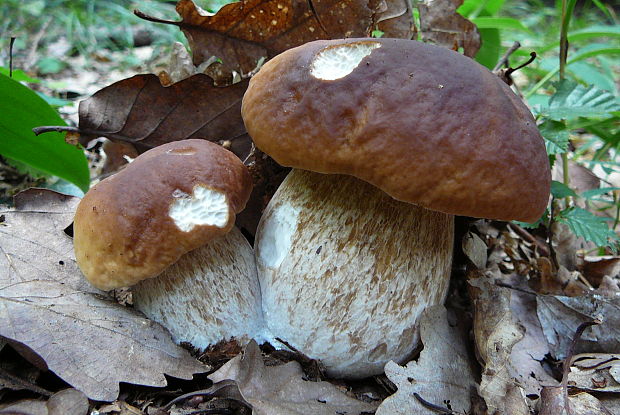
[
  {"x": 22, "y": 110},
  {"x": 18, "y": 75},
  {"x": 587, "y": 225},
  {"x": 377, "y": 33},
  {"x": 592, "y": 193},
  {"x": 572, "y": 100},
  {"x": 594, "y": 31},
  {"x": 502, "y": 23},
  {"x": 556, "y": 136},
  {"x": 50, "y": 65},
  {"x": 559, "y": 190},
  {"x": 53, "y": 101}
]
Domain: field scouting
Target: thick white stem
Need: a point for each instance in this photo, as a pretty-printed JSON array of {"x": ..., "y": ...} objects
[
  {"x": 345, "y": 270},
  {"x": 210, "y": 294}
]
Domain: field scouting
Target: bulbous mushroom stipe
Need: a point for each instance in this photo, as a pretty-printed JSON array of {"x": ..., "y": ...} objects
[
  {"x": 345, "y": 270},
  {"x": 175, "y": 204}
]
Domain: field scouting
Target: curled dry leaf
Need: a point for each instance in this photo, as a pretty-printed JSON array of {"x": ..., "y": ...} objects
[
  {"x": 442, "y": 25},
  {"x": 394, "y": 19},
  {"x": 496, "y": 333},
  {"x": 86, "y": 338},
  {"x": 552, "y": 403},
  {"x": 475, "y": 249},
  {"x": 243, "y": 33},
  {"x": 595, "y": 372},
  {"x": 141, "y": 111},
  {"x": 68, "y": 401},
  {"x": 281, "y": 390},
  {"x": 560, "y": 316},
  {"x": 442, "y": 373}
]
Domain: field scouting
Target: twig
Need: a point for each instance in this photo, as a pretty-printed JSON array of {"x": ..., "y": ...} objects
[
  {"x": 504, "y": 59},
  {"x": 569, "y": 357},
  {"x": 440, "y": 409},
  {"x": 552, "y": 254},
  {"x": 11, "y": 56},
  {"x": 91, "y": 133},
  {"x": 523, "y": 233},
  {"x": 153, "y": 19},
  {"x": 24, "y": 384}
]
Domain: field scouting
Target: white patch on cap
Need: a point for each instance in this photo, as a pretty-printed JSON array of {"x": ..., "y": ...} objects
[
  {"x": 276, "y": 235},
  {"x": 338, "y": 61},
  {"x": 203, "y": 207}
]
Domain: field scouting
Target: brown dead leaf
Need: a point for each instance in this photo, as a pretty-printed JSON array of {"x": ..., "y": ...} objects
[
  {"x": 395, "y": 21},
  {"x": 65, "y": 402},
  {"x": 595, "y": 372},
  {"x": 496, "y": 333},
  {"x": 527, "y": 354},
  {"x": 475, "y": 249},
  {"x": 243, "y": 33},
  {"x": 560, "y": 316},
  {"x": 142, "y": 111},
  {"x": 597, "y": 267},
  {"x": 280, "y": 390},
  {"x": 442, "y": 25},
  {"x": 86, "y": 338},
  {"x": 443, "y": 372},
  {"x": 552, "y": 403}
]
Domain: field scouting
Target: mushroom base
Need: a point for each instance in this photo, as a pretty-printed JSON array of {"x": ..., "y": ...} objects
[
  {"x": 210, "y": 294},
  {"x": 346, "y": 271}
]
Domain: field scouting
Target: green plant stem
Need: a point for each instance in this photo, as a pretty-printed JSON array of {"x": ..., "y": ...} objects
[{"x": 567, "y": 11}]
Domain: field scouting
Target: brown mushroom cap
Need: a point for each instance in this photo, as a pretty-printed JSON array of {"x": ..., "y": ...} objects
[
  {"x": 123, "y": 228},
  {"x": 425, "y": 124}
]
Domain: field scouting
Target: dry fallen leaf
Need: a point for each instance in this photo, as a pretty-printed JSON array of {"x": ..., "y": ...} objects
[
  {"x": 142, "y": 111},
  {"x": 496, "y": 333},
  {"x": 442, "y": 25},
  {"x": 86, "y": 338},
  {"x": 443, "y": 372},
  {"x": 552, "y": 403},
  {"x": 281, "y": 390},
  {"x": 65, "y": 402},
  {"x": 595, "y": 372},
  {"x": 560, "y": 316},
  {"x": 527, "y": 354},
  {"x": 243, "y": 33}
]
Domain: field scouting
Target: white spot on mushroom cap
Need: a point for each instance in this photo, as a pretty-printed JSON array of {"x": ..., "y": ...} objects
[
  {"x": 203, "y": 207},
  {"x": 338, "y": 61},
  {"x": 277, "y": 235}
]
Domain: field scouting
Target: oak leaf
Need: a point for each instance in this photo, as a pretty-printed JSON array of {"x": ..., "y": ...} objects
[{"x": 83, "y": 335}]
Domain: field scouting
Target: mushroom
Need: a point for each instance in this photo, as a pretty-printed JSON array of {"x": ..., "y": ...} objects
[
  {"x": 394, "y": 137},
  {"x": 165, "y": 224}
]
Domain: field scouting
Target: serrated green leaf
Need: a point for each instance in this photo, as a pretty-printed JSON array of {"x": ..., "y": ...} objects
[
  {"x": 572, "y": 100},
  {"x": 559, "y": 190},
  {"x": 592, "y": 193},
  {"x": 556, "y": 136},
  {"x": 22, "y": 110},
  {"x": 587, "y": 225}
]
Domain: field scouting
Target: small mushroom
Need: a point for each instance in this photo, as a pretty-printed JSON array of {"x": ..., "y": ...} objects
[
  {"x": 394, "y": 137},
  {"x": 165, "y": 224}
]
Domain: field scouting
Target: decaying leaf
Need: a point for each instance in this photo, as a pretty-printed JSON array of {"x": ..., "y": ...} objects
[
  {"x": 442, "y": 25},
  {"x": 68, "y": 401},
  {"x": 86, "y": 338},
  {"x": 560, "y": 316},
  {"x": 443, "y": 372},
  {"x": 595, "y": 372},
  {"x": 394, "y": 19},
  {"x": 142, "y": 111},
  {"x": 243, "y": 33},
  {"x": 552, "y": 403},
  {"x": 528, "y": 353},
  {"x": 496, "y": 333},
  {"x": 280, "y": 390},
  {"x": 475, "y": 249}
]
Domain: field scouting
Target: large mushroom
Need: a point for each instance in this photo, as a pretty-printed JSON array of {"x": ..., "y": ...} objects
[
  {"x": 346, "y": 270},
  {"x": 165, "y": 224}
]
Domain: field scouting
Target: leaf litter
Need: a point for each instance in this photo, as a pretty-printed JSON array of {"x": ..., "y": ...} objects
[{"x": 83, "y": 335}]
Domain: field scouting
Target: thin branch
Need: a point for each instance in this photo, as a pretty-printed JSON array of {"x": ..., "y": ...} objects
[
  {"x": 11, "y": 56},
  {"x": 569, "y": 358},
  {"x": 436, "y": 408},
  {"x": 503, "y": 62},
  {"x": 153, "y": 19}
]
